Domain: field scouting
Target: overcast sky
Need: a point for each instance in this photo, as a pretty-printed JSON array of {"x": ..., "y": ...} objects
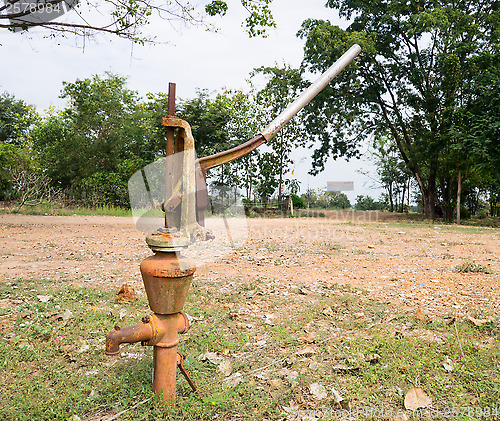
[{"x": 34, "y": 67}]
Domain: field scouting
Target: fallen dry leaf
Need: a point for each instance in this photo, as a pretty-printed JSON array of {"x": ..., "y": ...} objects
[
  {"x": 372, "y": 358},
  {"x": 288, "y": 374},
  {"x": 337, "y": 398},
  {"x": 233, "y": 380},
  {"x": 318, "y": 391},
  {"x": 448, "y": 364},
  {"x": 479, "y": 322},
  {"x": 328, "y": 311},
  {"x": 344, "y": 367},
  {"x": 225, "y": 368},
  {"x": 306, "y": 352},
  {"x": 122, "y": 313},
  {"x": 307, "y": 339},
  {"x": 126, "y": 293},
  {"x": 420, "y": 315},
  {"x": 359, "y": 315},
  {"x": 276, "y": 383},
  {"x": 211, "y": 357},
  {"x": 65, "y": 317},
  {"x": 416, "y": 398}
]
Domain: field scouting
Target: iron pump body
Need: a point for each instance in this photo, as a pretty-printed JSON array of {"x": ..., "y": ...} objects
[{"x": 167, "y": 274}]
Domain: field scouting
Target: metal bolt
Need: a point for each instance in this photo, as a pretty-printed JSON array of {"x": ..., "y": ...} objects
[{"x": 145, "y": 319}]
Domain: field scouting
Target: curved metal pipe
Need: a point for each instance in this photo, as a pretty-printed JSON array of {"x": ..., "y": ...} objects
[
  {"x": 140, "y": 332},
  {"x": 220, "y": 158},
  {"x": 277, "y": 124},
  {"x": 155, "y": 329}
]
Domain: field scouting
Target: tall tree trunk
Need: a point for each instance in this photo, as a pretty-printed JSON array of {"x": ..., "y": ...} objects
[
  {"x": 391, "y": 198},
  {"x": 409, "y": 191},
  {"x": 459, "y": 193},
  {"x": 403, "y": 198}
]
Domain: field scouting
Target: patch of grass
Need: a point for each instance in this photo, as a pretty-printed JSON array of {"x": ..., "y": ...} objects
[
  {"x": 54, "y": 209},
  {"x": 358, "y": 251},
  {"x": 471, "y": 267},
  {"x": 263, "y": 329}
]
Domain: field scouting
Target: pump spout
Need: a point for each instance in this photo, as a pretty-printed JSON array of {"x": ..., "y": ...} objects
[
  {"x": 131, "y": 334},
  {"x": 155, "y": 330}
]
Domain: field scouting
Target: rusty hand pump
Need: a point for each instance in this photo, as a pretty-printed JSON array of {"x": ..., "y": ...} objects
[{"x": 167, "y": 274}]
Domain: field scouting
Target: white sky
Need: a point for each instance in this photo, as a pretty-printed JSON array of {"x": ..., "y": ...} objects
[{"x": 34, "y": 67}]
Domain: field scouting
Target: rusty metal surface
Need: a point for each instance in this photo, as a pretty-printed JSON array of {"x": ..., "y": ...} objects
[
  {"x": 161, "y": 332},
  {"x": 165, "y": 373},
  {"x": 220, "y": 158},
  {"x": 170, "y": 148},
  {"x": 165, "y": 356},
  {"x": 167, "y": 278},
  {"x": 184, "y": 372},
  {"x": 137, "y": 333}
]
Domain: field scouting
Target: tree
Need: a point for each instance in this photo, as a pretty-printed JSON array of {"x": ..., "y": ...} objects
[
  {"x": 125, "y": 19},
  {"x": 337, "y": 200},
  {"x": 367, "y": 203},
  {"x": 392, "y": 173},
  {"x": 417, "y": 66},
  {"x": 479, "y": 135},
  {"x": 242, "y": 125},
  {"x": 267, "y": 180},
  {"x": 16, "y": 119},
  {"x": 92, "y": 147},
  {"x": 282, "y": 87}
]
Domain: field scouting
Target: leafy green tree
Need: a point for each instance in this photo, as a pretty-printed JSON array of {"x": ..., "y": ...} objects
[
  {"x": 126, "y": 19},
  {"x": 282, "y": 87},
  {"x": 367, "y": 203},
  {"x": 392, "y": 173},
  {"x": 97, "y": 142},
  {"x": 242, "y": 125},
  {"x": 480, "y": 132},
  {"x": 416, "y": 68},
  {"x": 16, "y": 119},
  {"x": 267, "y": 180},
  {"x": 337, "y": 200}
]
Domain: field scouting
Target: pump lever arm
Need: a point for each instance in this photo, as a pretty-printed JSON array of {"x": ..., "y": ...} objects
[{"x": 277, "y": 124}]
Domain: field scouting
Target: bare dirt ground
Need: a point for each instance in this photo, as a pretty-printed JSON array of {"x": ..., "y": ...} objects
[{"x": 409, "y": 264}]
